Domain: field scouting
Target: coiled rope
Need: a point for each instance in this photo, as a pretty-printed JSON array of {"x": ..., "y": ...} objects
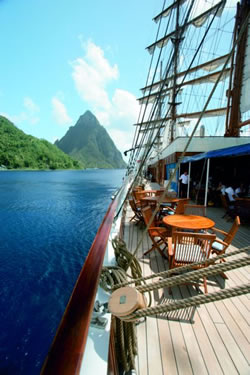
[{"x": 125, "y": 333}]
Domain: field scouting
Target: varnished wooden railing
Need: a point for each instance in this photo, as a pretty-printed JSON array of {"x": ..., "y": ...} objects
[{"x": 66, "y": 353}]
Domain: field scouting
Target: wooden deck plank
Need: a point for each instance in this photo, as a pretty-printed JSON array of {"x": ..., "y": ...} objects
[
  {"x": 165, "y": 338},
  {"x": 241, "y": 302},
  {"x": 141, "y": 328},
  {"x": 208, "y": 353},
  {"x": 240, "y": 338},
  {"x": 154, "y": 351},
  {"x": 216, "y": 342},
  {"x": 233, "y": 349},
  {"x": 192, "y": 344}
]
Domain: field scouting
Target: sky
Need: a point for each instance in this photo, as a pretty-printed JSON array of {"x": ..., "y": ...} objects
[{"x": 60, "y": 58}]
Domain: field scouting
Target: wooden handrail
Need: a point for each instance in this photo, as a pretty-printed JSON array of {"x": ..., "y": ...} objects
[{"x": 66, "y": 353}]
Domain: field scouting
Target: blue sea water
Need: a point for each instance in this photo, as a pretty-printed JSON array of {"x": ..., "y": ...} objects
[{"x": 48, "y": 221}]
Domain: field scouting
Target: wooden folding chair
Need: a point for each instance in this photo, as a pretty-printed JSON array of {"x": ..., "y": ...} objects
[
  {"x": 179, "y": 208},
  {"x": 220, "y": 246},
  {"x": 194, "y": 209},
  {"x": 186, "y": 248},
  {"x": 158, "y": 235},
  {"x": 136, "y": 210}
]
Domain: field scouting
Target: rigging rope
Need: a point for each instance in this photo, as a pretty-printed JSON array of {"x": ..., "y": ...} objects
[
  {"x": 189, "y": 302},
  {"x": 184, "y": 268},
  {"x": 190, "y": 276}
]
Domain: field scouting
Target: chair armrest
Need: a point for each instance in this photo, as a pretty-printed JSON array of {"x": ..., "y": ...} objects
[
  {"x": 219, "y": 231},
  {"x": 169, "y": 208},
  {"x": 170, "y": 247},
  {"x": 221, "y": 242}
]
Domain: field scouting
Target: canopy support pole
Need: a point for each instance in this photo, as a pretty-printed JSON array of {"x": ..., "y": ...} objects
[
  {"x": 207, "y": 178},
  {"x": 179, "y": 170},
  {"x": 189, "y": 174}
]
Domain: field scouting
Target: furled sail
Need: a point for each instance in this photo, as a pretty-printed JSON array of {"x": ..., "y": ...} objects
[
  {"x": 207, "y": 66},
  {"x": 161, "y": 122},
  {"x": 166, "y": 12},
  {"x": 197, "y": 21},
  {"x": 245, "y": 91},
  {"x": 209, "y": 78}
]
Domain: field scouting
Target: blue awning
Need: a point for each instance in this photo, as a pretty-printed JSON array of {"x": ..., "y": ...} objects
[{"x": 221, "y": 153}]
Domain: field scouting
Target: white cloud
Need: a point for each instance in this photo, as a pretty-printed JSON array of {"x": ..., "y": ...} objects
[
  {"x": 60, "y": 112},
  {"x": 30, "y": 105},
  {"x": 91, "y": 74},
  {"x": 117, "y": 110},
  {"x": 122, "y": 139},
  {"x": 29, "y": 115},
  {"x": 16, "y": 119}
]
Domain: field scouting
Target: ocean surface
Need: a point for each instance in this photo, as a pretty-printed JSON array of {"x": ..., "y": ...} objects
[{"x": 48, "y": 221}]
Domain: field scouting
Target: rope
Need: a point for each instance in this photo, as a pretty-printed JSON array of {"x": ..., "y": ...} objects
[
  {"x": 126, "y": 340},
  {"x": 184, "y": 268},
  {"x": 190, "y": 302},
  {"x": 208, "y": 271}
]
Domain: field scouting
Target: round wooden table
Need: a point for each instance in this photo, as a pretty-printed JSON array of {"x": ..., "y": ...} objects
[{"x": 188, "y": 221}]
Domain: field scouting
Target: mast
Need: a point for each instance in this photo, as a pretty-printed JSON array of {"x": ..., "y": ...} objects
[
  {"x": 234, "y": 95},
  {"x": 176, "y": 41}
]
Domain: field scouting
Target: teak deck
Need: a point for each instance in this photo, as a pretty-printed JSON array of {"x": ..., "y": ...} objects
[{"x": 209, "y": 339}]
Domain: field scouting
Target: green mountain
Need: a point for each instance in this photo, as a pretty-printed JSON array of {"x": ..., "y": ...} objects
[
  {"x": 19, "y": 150},
  {"x": 89, "y": 142}
]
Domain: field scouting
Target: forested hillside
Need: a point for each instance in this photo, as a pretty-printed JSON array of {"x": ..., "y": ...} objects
[{"x": 19, "y": 150}]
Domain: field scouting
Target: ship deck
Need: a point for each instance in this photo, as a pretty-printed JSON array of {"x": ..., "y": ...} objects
[{"x": 208, "y": 339}]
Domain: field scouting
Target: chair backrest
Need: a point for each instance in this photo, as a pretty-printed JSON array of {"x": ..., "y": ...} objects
[
  {"x": 132, "y": 205},
  {"x": 191, "y": 247},
  {"x": 171, "y": 194},
  {"x": 224, "y": 201},
  {"x": 194, "y": 209},
  {"x": 179, "y": 210},
  {"x": 227, "y": 198},
  {"x": 231, "y": 234},
  {"x": 138, "y": 188},
  {"x": 159, "y": 193},
  {"x": 139, "y": 195},
  {"x": 147, "y": 214}
]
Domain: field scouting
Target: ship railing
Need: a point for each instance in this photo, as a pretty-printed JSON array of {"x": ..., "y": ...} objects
[{"x": 66, "y": 354}]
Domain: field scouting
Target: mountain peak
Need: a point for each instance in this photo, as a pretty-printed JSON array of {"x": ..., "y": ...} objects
[
  {"x": 89, "y": 142},
  {"x": 87, "y": 119}
]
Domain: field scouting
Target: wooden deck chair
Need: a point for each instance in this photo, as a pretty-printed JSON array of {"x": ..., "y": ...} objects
[
  {"x": 228, "y": 206},
  {"x": 157, "y": 234},
  {"x": 194, "y": 209},
  {"x": 220, "y": 246},
  {"x": 179, "y": 208},
  {"x": 138, "y": 195},
  {"x": 136, "y": 210},
  {"x": 186, "y": 248}
]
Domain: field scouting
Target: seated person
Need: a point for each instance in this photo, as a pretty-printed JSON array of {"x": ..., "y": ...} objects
[
  {"x": 230, "y": 194},
  {"x": 221, "y": 188},
  {"x": 240, "y": 191}
]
